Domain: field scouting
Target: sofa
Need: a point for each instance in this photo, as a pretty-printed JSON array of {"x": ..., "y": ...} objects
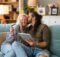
[{"x": 54, "y": 46}]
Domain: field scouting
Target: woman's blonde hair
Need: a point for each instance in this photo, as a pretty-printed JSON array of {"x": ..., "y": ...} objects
[{"x": 18, "y": 19}]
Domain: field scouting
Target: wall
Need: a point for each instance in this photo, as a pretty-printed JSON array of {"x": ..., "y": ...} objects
[
  {"x": 46, "y": 2},
  {"x": 51, "y": 20}
]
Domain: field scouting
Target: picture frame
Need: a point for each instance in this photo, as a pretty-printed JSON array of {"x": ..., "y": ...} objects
[
  {"x": 54, "y": 10},
  {"x": 41, "y": 11}
]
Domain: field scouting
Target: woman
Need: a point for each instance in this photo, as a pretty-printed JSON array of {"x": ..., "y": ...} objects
[
  {"x": 21, "y": 23},
  {"x": 10, "y": 47}
]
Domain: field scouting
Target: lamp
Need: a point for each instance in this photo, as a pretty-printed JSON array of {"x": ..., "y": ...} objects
[
  {"x": 21, "y": 6},
  {"x": 32, "y": 3},
  {"x": 13, "y": 0},
  {"x": 4, "y": 9}
]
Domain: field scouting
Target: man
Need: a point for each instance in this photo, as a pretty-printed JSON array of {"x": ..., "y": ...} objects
[{"x": 40, "y": 34}]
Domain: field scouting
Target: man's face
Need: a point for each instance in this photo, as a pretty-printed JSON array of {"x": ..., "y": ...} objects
[
  {"x": 33, "y": 21},
  {"x": 23, "y": 20},
  {"x": 29, "y": 17}
]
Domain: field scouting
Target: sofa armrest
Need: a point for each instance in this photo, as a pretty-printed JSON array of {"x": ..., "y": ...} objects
[
  {"x": 1, "y": 54},
  {"x": 54, "y": 56}
]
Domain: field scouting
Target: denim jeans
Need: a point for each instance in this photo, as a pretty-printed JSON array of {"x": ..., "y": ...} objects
[
  {"x": 14, "y": 50},
  {"x": 20, "y": 50},
  {"x": 34, "y": 51},
  {"x": 27, "y": 51},
  {"x": 7, "y": 50}
]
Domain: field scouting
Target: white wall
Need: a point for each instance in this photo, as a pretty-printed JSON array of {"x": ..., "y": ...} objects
[
  {"x": 46, "y": 2},
  {"x": 51, "y": 20}
]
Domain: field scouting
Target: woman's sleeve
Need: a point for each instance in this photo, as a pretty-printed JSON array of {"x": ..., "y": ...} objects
[{"x": 16, "y": 28}]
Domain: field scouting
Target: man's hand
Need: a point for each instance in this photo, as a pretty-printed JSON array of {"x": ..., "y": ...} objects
[{"x": 30, "y": 42}]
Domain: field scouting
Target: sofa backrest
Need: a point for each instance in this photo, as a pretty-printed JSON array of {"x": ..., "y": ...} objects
[
  {"x": 4, "y": 27},
  {"x": 55, "y": 40},
  {"x": 55, "y": 37}
]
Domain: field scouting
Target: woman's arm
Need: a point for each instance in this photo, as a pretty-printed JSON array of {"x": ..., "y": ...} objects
[{"x": 16, "y": 28}]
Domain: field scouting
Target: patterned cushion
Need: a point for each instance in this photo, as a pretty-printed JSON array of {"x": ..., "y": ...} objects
[{"x": 2, "y": 36}]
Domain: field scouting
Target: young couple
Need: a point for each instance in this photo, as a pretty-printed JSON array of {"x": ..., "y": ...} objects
[{"x": 39, "y": 32}]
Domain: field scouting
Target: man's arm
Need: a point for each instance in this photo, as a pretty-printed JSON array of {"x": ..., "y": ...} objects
[{"x": 44, "y": 43}]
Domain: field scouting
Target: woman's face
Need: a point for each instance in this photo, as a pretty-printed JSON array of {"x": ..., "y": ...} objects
[{"x": 23, "y": 20}]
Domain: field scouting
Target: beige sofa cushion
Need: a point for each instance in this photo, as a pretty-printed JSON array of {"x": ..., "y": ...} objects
[{"x": 2, "y": 36}]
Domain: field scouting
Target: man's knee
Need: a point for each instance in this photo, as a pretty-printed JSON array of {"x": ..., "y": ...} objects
[{"x": 42, "y": 55}]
